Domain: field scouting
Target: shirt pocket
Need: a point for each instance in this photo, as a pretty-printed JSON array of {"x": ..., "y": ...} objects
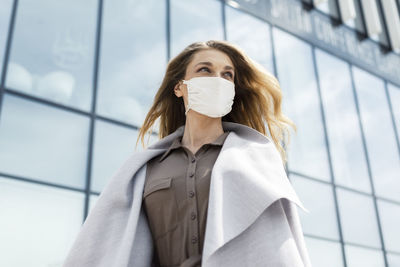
[
  {"x": 156, "y": 185},
  {"x": 161, "y": 206}
]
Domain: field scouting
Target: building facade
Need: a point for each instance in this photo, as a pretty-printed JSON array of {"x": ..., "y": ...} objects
[{"x": 77, "y": 78}]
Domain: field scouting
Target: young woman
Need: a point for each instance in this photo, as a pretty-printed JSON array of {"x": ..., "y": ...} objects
[{"x": 213, "y": 190}]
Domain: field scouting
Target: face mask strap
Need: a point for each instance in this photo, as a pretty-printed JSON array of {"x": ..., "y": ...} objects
[{"x": 188, "y": 107}]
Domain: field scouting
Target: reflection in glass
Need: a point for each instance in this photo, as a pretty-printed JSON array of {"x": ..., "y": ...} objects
[
  {"x": 58, "y": 65},
  {"x": 193, "y": 21},
  {"x": 133, "y": 58},
  {"x": 307, "y": 151},
  {"x": 394, "y": 93},
  {"x": 379, "y": 134},
  {"x": 112, "y": 146},
  {"x": 358, "y": 256},
  {"x": 324, "y": 253},
  {"x": 358, "y": 218},
  {"x": 43, "y": 143},
  {"x": 251, "y": 34},
  {"x": 38, "y": 223},
  {"x": 390, "y": 220},
  {"x": 5, "y": 14},
  {"x": 318, "y": 199},
  {"x": 347, "y": 153}
]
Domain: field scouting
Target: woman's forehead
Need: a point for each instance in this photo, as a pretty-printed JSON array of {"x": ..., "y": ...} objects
[{"x": 213, "y": 56}]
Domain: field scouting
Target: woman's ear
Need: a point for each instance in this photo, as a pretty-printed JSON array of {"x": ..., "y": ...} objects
[{"x": 177, "y": 90}]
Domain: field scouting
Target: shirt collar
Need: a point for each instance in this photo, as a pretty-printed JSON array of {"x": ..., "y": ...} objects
[{"x": 177, "y": 143}]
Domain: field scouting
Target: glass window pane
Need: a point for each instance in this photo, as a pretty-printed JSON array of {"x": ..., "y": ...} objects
[
  {"x": 379, "y": 134},
  {"x": 92, "y": 201},
  {"x": 307, "y": 151},
  {"x": 43, "y": 143},
  {"x": 5, "y": 14},
  {"x": 38, "y": 223},
  {"x": 324, "y": 253},
  {"x": 393, "y": 260},
  {"x": 357, "y": 23},
  {"x": 59, "y": 62},
  {"x": 358, "y": 218},
  {"x": 193, "y": 21},
  {"x": 318, "y": 199},
  {"x": 394, "y": 93},
  {"x": 133, "y": 58},
  {"x": 382, "y": 37},
  {"x": 112, "y": 146},
  {"x": 347, "y": 152},
  {"x": 251, "y": 34},
  {"x": 390, "y": 220},
  {"x": 329, "y": 7},
  {"x": 357, "y": 256}
]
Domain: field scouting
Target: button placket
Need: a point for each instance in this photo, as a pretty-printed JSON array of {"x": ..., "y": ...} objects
[{"x": 191, "y": 193}]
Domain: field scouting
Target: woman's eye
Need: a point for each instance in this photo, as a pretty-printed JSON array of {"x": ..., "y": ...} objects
[
  {"x": 204, "y": 68},
  {"x": 229, "y": 74}
]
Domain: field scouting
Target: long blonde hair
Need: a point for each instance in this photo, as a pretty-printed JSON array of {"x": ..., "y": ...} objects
[{"x": 257, "y": 101}]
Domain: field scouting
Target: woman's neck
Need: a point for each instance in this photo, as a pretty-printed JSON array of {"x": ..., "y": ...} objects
[{"x": 200, "y": 129}]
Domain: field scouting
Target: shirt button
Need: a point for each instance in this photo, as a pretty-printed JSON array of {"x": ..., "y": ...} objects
[
  {"x": 193, "y": 160},
  {"x": 193, "y": 216},
  {"x": 191, "y": 175},
  {"x": 194, "y": 239},
  {"x": 191, "y": 193}
]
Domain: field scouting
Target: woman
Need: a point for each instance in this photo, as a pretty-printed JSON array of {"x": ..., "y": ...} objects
[{"x": 213, "y": 190}]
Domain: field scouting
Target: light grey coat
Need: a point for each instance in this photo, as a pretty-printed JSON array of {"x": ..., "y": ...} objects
[{"x": 252, "y": 216}]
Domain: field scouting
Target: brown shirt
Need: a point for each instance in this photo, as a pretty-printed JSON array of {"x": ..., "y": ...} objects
[{"x": 176, "y": 199}]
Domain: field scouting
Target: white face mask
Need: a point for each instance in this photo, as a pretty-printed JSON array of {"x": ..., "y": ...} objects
[{"x": 211, "y": 96}]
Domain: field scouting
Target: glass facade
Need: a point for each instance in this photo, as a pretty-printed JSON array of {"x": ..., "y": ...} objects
[
  {"x": 133, "y": 57},
  {"x": 74, "y": 92}
]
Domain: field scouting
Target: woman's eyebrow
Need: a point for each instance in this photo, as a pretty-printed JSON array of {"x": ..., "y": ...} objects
[{"x": 208, "y": 63}]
